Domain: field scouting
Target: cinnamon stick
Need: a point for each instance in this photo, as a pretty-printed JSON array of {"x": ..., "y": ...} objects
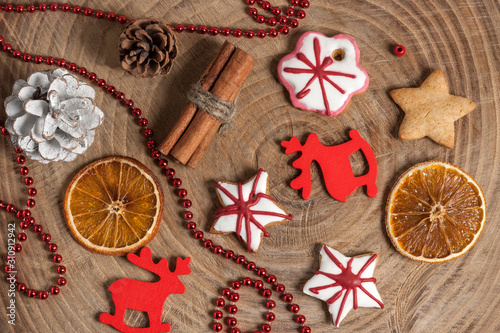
[
  {"x": 226, "y": 87},
  {"x": 208, "y": 79}
]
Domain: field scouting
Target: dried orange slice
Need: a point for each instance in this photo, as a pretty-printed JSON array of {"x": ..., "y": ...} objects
[
  {"x": 114, "y": 206},
  {"x": 435, "y": 212}
]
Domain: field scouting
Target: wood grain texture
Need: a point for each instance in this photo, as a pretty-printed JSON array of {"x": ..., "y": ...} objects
[{"x": 459, "y": 36}]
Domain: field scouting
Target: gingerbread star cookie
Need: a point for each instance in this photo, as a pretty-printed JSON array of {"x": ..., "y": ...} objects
[
  {"x": 247, "y": 209},
  {"x": 430, "y": 110}
]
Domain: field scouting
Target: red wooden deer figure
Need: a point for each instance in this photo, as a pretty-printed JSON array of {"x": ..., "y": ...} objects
[
  {"x": 335, "y": 165},
  {"x": 146, "y": 296}
]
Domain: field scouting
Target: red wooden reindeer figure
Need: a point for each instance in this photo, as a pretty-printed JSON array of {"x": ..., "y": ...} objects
[
  {"x": 146, "y": 296},
  {"x": 335, "y": 165}
]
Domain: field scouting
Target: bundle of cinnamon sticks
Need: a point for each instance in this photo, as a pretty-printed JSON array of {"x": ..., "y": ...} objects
[{"x": 192, "y": 133}]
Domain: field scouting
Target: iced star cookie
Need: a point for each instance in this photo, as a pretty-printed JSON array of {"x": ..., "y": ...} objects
[
  {"x": 247, "y": 209},
  {"x": 344, "y": 283},
  {"x": 322, "y": 73}
]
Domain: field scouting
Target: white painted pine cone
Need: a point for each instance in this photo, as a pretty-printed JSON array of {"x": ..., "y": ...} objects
[{"x": 52, "y": 116}]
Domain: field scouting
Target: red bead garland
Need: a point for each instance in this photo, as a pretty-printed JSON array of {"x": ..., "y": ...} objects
[{"x": 27, "y": 220}]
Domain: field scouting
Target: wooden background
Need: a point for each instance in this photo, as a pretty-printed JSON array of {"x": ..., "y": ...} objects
[{"x": 459, "y": 36}]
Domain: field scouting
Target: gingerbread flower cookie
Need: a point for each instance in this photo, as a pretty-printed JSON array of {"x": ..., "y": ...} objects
[
  {"x": 247, "y": 209},
  {"x": 344, "y": 283},
  {"x": 322, "y": 73}
]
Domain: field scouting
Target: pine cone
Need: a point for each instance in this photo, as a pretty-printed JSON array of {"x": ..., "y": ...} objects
[
  {"x": 52, "y": 116},
  {"x": 147, "y": 48}
]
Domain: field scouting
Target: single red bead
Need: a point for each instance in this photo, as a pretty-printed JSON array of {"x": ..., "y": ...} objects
[
  {"x": 283, "y": 20},
  {"x": 270, "y": 316},
  {"x": 31, "y": 293},
  {"x": 187, "y": 203},
  {"x": 28, "y": 181},
  {"x": 226, "y": 31},
  {"x": 182, "y": 193},
  {"x": 247, "y": 281},
  {"x": 24, "y": 225},
  {"x": 21, "y": 287},
  {"x": 293, "y": 23},
  {"x": 294, "y": 2},
  {"x": 120, "y": 96},
  {"x": 267, "y": 293},
  {"x": 99, "y": 14},
  {"x": 18, "y": 248},
  {"x": 61, "y": 281},
  {"x": 188, "y": 215},
  {"x": 7, "y": 47},
  {"x": 24, "y": 170},
  {"x": 1, "y": 38},
  {"x": 272, "y": 21},
  {"x": 217, "y": 327},
  {"x": 148, "y": 132},
  {"x": 155, "y": 153},
  {"x": 253, "y": 12},
  {"x": 61, "y": 270},
  {"x": 16, "y": 53},
  {"x": 198, "y": 235},
  {"x": 52, "y": 247},
  {"x": 191, "y": 226},
  {"x": 276, "y": 11},
  {"x": 229, "y": 254},
  {"x": 260, "y": 19},
  {"x": 218, "y": 250},
  {"x": 111, "y": 90},
  {"x": 280, "y": 288},
  {"x": 226, "y": 292},
  {"x": 88, "y": 12},
  {"x": 31, "y": 8},
  {"x": 136, "y": 112},
  {"x": 20, "y": 214},
  {"x": 251, "y": 266},
  {"x": 57, "y": 258},
  {"x": 236, "y": 285},
  {"x": 163, "y": 163},
  {"x": 191, "y": 28},
  {"x": 77, "y": 9},
  {"x": 61, "y": 63},
  {"x": 27, "y": 213},
  {"x": 30, "y": 220},
  {"x": 38, "y": 59},
  {"x": 46, "y": 238},
  {"x": 399, "y": 50},
  {"x": 270, "y": 304},
  {"x": 101, "y": 83},
  {"x": 234, "y": 297},
  {"x": 233, "y": 309},
  {"x": 271, "y": 279},
  {"x": 8, "y": 269},
  {"x": 300, "y": 319},
  {"x": 111, "y": 16},
  {"x": 304, "y": 4},
  {"x": 250, "y": 2},
  {"x": 143, "y": 122},
  {"x": 176, "y": 182},
  {"x": 129, "y": 104},
  {"x": 235, "y": 330},
  {"x": 179, "y": 28},
  {"x": 37, "y": 228},
  {"x": 10, "y": 208},
  {"x": 258, "y": 284},
  {"x": 42, "y": 7},
  {"x": 54, "y": 290},
  {"x": 202, "y": 29},
  {"x": 266, "y": 328},
  {"x": 218, "y": 314},
  {"x": 27, "y": 57},
  {"x": 294, "y": 308},
  {"x": 220, "y": 302},
  {"x": 300, "y": 14},
  {"x": 240, "y": 260},
  {"x": 249, "y": 34},
  {"x": 65, "y": 7},
  {"x": 266, "y": 5},
  {"x": 31, "y": 203},
  {"x": 231, "y": 322},
  {"x": 288, "y": 298},
  {"x": 237, "y": 33},
  {"x": 19, "y": 8},
  {"x": 43, "y": 295},
  {"x": 22, "y": 237},
  {"x": 261, "y": 34},
  {"x": 214, "y": 31},
  {"x": 290, "y": 11},
  {"x": 32, "y": 191},
  {"x": 50, "y": 61},
  {"x": 306, "y": 329},
  {"x": 170, "y": 172},
  {"x": 284, "y": 30},
  {"x": 207, "y": 244},
  {"x": 92, "y": 76},
  {"x": 262, "y": 272},
  {"x": 82, "y": 71},
  {"x": 122, "y": 19}
]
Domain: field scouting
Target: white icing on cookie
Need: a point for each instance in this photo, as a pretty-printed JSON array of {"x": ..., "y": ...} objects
[
  {"x": 344, "y": 283},
  {"x": 318, "y": 82}
]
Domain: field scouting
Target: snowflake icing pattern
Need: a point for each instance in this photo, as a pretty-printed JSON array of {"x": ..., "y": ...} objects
[
  {"x": 323, "y": 78},
  {"x": 247, "y": 209},
  {"x": 344, "y": 283}
]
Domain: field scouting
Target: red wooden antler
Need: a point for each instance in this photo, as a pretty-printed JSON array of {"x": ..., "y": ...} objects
[{"x": 145, "y": 260}]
